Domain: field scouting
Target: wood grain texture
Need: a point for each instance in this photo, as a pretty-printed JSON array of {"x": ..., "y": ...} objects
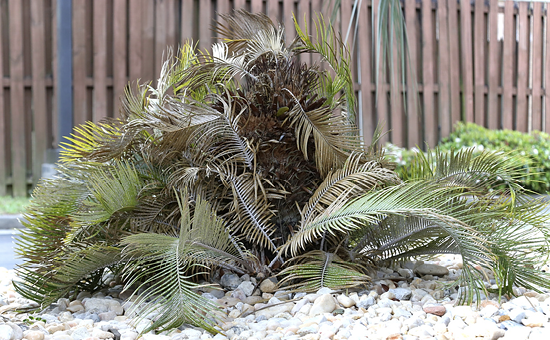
[
  {"x": 547, "y": 73},
  {"x": 493, "y": 115},
  {"x": 4, "y": 142},
  {"x": 454, "y": 63},
  {"x": 536, "y": 116},
  {"x": 364, "y": 40},
  {"x": 480, "y": 39},
  {"x": 135, "y": 58},
  {"x": 444, "y": 68},
  {"x": 100, "y": 61},
  {"x": 288, "y": 11},
  {"x": 508, "y": 48},
  {"x": 17, "y": 100},
  {"x": 120, "y": 78},
  {"x": 466, "y": 56},
  {"x": 414, "y": 127},
  {"x": 205, "y": 35},
  {"x": 431, "y": 134},
  {"x": 522, "y": 113},
  {"x": 80, "y": 107},
  {"x": 39, "y": 111},
  {"x": 186, "y": 25}
]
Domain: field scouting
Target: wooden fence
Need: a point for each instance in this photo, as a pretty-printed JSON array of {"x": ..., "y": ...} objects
[{"x": 474, "y": 61}]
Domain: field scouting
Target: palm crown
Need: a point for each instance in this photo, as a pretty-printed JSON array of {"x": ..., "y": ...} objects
[{"x": 245, "y": 159}]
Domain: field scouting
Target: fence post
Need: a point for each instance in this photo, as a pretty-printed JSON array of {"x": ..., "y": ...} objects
[{"x": 64, "y": 81}]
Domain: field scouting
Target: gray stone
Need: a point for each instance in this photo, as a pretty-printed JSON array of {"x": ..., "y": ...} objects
[
  {"x": 366, "y": 302},
  {"x": 80, "y": 333},
  {"x": 230, "y": 281},
  {"x": 402, "y": 293},
  {"x": 430, "y": 269},
  {"x": 247, "y": 287}
]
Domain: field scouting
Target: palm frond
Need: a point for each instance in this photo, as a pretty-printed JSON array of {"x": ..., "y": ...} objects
[
  {"x": 317, "y": 269},
  {"x": 334, "y": 52},
  {"x": 353, "y": 179},
  {"x": 334, "y": 136},
  {"x": 73, "y": 271},
  {"x": 162, "y": 263}
]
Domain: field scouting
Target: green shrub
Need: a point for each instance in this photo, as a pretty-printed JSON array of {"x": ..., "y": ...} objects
[{"x": 534, "y": 147}]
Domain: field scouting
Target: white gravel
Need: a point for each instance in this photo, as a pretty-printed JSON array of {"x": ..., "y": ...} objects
[{"x": 419, "y": 305}]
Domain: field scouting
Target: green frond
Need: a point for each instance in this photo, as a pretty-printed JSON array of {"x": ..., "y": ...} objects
[
  {"x": 317, "y": 269},
  {"x": 162, "y": 264},
  {"x": 332, "y": 50},
  {"x": 334, "y": 136},
  {"x": 113, "y": 190},
  {"x": 71, "y": 271},
  {"x": 355, "y": 178}
]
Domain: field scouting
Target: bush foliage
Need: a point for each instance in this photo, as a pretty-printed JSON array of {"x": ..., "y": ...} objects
[{"x": 532, "y": 150}]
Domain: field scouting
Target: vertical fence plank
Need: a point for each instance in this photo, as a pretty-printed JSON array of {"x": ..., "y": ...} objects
[
  {"x": 40, "y": 119},
  {"x": 546, "y": 73},
  {"x": 368, "y": 122},
  {"x": 288, "y": 11},
  {"x": 304, "y": 14},
  {"x": 79, "y": 63},
  {"x": 381, "y": 105},
  {"x": 100, "y": 60},
  {"x": 186, "y": 21},
  {"x": 205, "y": 8},
  {"x": 134, "y": 45},
  {"x": 429, "y": 119},
  {"x": 537, "y": 68},
  {"x": 4, "y": 142},
  {"x": 148, "y": 42},
  {"x": 413, "y": 123},
  {"x": 522, "y": 113},
  {"x": 444, "y": 66},
  {"x": 398, "y": 128},
  {"x": 480, "y": 38},
  {"x": 256, "y": 6},
  {"x": 467, "y": 68},
  {"x": 161, "y": 16},
  {"x": 273, "y": 11},
  {"x": 17, "y": 102},
  {"x": 119, "y": 53},
  {"x": 509, "y": 42},
  {"x": 454, "y": 62},
  {"x": 493, "y": 116},
  {"x": 240, "y": 4}
]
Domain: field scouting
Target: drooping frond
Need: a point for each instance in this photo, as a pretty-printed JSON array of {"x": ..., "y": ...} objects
[
  {"x": 251, "y": 33},
  {"x": 477, "y": 173},
  {"x": 334, "y": 136},
  {"x": 163, "y": 264},
  {"x": 352, "y": 180},
  {"x": 317, "y": 269},
  {"x": 331, "y": 48},
  {"x": 77, "y": 270},
  {"x": 113, "y": 190}
]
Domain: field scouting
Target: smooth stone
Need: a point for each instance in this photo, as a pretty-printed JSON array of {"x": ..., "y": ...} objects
[
  {"x": 34, "y": 335},
  {"x": 268, "y": 285},
  {"x": 517, "y": 314},
  {"x": 142, "y": 325},
  {"x": 323, "y": 304},
  {"x": 535, "y": 320},
  {"x": 517, "y": 333},
  {"x": 430, "y": 269},
  {"x": 270, "y": 312},
  {"x": 6, "y": 332},
  {"x": 230, "y": 281},
  {"x": 80, "y": 333},
  {"x": 325, "y": 290},
  {"x": 75, "y": 308},
  {"x": 435, "y": 310},
  {"x": 17, "y": 331},
  {"x": 345, "y": 301},
  {"x": 366, "y": 301},
  {"x": 401, "y": 293},
  {"x": 525, "y": 302},
  {"x": 95, "y": 305},
  {"x": 97, "y": 333},
  {"x": 107, "y": 316},
  {"x": 246, "y": 287},
  {"x": 483, "y": 328},
  {"x": 462, "y": 311}
]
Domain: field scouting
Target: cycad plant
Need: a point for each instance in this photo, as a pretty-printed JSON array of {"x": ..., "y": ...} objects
[{"x": 245, "y": 160}]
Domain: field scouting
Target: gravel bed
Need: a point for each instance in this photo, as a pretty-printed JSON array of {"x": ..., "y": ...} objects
[{"x": 416, "y": 301}]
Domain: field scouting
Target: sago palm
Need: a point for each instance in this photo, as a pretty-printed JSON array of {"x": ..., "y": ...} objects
[{"x": 245, "y": 160}]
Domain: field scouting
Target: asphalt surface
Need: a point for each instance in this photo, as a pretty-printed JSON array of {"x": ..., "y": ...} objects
[{"x": 7, "y": 245}]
